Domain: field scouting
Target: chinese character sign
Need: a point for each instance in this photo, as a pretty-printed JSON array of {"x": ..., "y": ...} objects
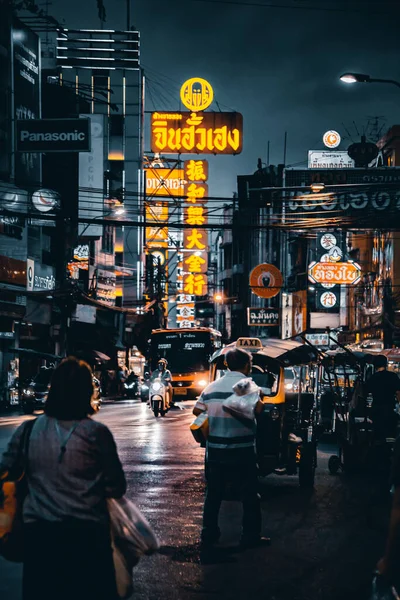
[
  {"x": 197, "y": 133},
  {"x": 195, "y": 170}
]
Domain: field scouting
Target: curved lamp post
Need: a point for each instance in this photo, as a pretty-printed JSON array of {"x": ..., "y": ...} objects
[{"x": 362, "y": 78}]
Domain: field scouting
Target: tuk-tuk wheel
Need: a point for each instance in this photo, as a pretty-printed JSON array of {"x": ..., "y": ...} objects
[
  {"x": 307, "y": 466},
  {"x": 334, "y": 464}
]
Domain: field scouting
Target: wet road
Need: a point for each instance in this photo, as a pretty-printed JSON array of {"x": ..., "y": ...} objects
[{"x": 324, "y": 543}]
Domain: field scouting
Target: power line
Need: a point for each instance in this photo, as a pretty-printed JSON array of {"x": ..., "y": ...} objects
[{"x": 290, "y": 7}]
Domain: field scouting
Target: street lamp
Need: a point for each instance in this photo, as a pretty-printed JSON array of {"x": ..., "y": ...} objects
[{"x": 362, "y": 78}]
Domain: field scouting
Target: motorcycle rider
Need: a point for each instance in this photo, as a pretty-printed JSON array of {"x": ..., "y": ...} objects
[{"x": 165, "y": 375}]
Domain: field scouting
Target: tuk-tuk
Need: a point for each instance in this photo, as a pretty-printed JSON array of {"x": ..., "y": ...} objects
[
  {"x": 393, "y": 357},
  {"x": 347, "y": 373},
  {"x": 286, "y": 429},
  {"x": 340, "y": 372}
]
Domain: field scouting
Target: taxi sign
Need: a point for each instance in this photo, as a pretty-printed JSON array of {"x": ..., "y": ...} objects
[{"x": 249, "y": 343}]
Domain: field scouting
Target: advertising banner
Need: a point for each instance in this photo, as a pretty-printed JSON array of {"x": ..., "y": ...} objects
[
  {"x": 262, "y": 317},
  {"x": 91, "y": 178},
  {"x": 287, "y": 321},
  {"x": 26, "y": 94},
  {"x": 53, "y": 135},
  {"x": 323, "y": 159},
  {"x": 380, "y": 201},
  {"x": 39, "y": 277},
  {"x": 299, "y": 312},
  {"x": 164, "y": 182}
]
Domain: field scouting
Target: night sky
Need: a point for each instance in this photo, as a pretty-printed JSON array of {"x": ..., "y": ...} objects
[{"x": 277, "y": 66}]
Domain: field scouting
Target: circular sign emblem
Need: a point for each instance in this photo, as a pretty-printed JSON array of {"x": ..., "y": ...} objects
[
  {"x": 158, "y": 255},
  {"x": 196, "y": 94},
  {"x": 328, "y": 240},
  {"x": 331, "y": 139},
  {"x": 266, "y": 281},
  {"x": 328, "y": 299},
  {"x": 335, "y": 254},
  {"x": 45, "y": 200}
]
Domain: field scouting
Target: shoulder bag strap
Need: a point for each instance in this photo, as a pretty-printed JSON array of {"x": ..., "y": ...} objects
[{"x": 24, "y": 446}]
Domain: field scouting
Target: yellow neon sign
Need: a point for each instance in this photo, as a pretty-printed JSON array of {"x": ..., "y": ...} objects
[
  {"x": 196, "y": 94},
  {"x": 194, "y": 133}
]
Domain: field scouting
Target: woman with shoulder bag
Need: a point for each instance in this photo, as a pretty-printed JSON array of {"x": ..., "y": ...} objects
[{"x": 72, "y": 467}]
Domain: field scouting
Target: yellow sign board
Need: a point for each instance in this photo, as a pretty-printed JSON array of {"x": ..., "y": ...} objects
[
  {"x": 192, "y": 133},
  {"x": 196, "y": 94},
  {"x": 164, "y": 182}
]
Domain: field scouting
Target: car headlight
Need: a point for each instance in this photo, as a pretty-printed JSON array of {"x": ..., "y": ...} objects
[
  {"x": 129, "y": 385},
  {"x": 157, "y": 387},
  {"x": 288, "y": 386},
  {"x": 202, "y": 383},
  {"x": 29, "y": 392}
]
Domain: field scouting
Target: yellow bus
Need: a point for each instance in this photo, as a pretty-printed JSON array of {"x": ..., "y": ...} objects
[{"x": 188, "y": 352}]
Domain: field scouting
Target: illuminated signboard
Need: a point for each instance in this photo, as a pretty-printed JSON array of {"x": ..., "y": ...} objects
[
  {"x": 331, "y": 139},
  {"x": 196, "y": 94},
  {"x": 195, "y": 170},
  {"x": 192, "y": 133},
  {"x": 195, "y": 263},
  {"x": 195, "y": 239},
  {"x": 343, "y": 273},
  {"x": 164, "y": 182},
  {"x": 195, "y": 215},
  {"x": 196, "y": 191},
  {"x": 156, "y": 235}
]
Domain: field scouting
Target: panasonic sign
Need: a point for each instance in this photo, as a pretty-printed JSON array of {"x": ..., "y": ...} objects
[{"x": 53, "y": 135}]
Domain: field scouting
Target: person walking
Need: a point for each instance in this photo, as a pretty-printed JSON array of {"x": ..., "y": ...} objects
[
  {"x": 72, "y": 467},
  {"x": 384, "y": 386},
  {"x": 230, "y": 455}
]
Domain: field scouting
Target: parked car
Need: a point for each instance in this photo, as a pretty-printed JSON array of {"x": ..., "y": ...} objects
[{"x": 34, "y": 393}]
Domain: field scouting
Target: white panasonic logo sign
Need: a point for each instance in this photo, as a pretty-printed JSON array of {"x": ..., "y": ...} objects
[{"x": 62, "y": 136}]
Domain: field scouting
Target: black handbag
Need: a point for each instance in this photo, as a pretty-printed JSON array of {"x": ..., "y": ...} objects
[{"x": 13, "y": 491}]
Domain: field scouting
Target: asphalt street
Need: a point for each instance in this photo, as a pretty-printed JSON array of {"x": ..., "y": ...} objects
[{"x": 325, "y": 543}]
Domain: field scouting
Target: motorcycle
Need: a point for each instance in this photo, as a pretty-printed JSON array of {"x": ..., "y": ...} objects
[{"x": 158, "y": 398}]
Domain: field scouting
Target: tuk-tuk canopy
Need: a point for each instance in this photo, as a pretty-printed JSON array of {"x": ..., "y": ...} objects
[
  {"x": 350, "y": 358},
  {"x": 287, "y": 352},
  {"x": 392, "y": 354}
]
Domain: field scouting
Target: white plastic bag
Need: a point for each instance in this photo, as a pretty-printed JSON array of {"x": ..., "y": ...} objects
[
  {"x": 130, "y": 530},
  {"x": 132, "y": 537},
  {"x": 243, "y": 401}
]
